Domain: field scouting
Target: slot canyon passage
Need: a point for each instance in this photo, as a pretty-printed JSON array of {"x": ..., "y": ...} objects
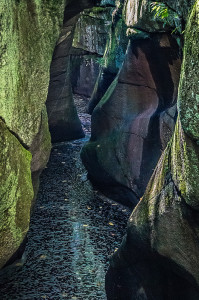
[{"x": 99, "y": 137}]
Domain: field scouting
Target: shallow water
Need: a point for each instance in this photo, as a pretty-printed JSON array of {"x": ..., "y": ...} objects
[{"x": 74, "y": 230}]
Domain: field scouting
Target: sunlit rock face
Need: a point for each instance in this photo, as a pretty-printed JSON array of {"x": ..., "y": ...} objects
[
  {"x": 138, "y": 14},
  {"x": 128, "y": 124},
  {"x": 182, "y": 7},
  {"x": 29, "y": 30},
  {"x": 161, "y": 246}
]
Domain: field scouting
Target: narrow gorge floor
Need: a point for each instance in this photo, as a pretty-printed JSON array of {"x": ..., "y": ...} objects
[{"x": 74, "y": 230}]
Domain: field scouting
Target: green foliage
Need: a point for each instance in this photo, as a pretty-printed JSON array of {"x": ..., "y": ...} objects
[
  {"x": 160, "y": 9},
  {"x": 164, "y": 13}
]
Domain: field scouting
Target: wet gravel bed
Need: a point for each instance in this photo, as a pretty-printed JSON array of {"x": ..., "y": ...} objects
[
  {"x": 81, "y": 103},
  {"x": 74, "y": 230}
]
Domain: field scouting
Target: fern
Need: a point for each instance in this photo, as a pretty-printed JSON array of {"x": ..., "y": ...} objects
[{"x": 160, "y": 9}]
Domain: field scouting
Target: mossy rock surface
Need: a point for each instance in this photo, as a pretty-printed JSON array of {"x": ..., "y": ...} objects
[
  {"x": 29, "y": 30},
  {"x": 189, "y": 89},
  {"x": 28, "y": 34},
  {"x": 16, "y": 193}
]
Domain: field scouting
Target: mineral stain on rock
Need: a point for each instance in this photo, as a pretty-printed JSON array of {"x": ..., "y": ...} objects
[{"x": 73, "y": 232}]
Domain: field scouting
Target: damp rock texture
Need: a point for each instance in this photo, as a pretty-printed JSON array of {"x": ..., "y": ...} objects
[
  {"x": 74, "y": 230},
  {"x": 135, "y": 118},
  {"x": 162, "y": 242},
  {"x": 113, "y": 56},
  {"x": 64, "y": 123},
  {"x": 74, "y": 65},
  {"x": 134, "y": 110},
  {"x": 28, "y": 34},
  {"x": 91, "y": 35}
]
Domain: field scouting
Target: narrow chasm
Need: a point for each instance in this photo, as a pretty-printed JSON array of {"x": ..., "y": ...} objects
[
  {"x": 73, "y": 232},
  {"x": 99, "y": 151}
]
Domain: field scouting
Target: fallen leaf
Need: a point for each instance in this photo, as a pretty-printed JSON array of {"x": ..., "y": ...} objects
[
  {"x": 43, "y": 256},
  {"x": 88, "y": 207},
  {"x": 64, "y": 295},
  {"x": 85, "y": 225},
  {"x": 19, "y": 264},
  {"x": 110, "y": 223},
  {"x": 99, "y": 284}
]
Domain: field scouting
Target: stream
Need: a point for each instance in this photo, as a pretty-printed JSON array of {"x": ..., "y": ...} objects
[{"x": 74, "y": 230}]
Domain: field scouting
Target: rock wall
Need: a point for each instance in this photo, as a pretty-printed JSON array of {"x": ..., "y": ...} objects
[
  {"x": 91, "y": 34},
  {"x": 161, "y": 247},
  {"x": 64, "y": 123},
  {"x": 70, "y": 69},
  {"x": 113, "y": 56},
  {"x": 29, "y": 30},
  {"x": 135, "y": 118}
]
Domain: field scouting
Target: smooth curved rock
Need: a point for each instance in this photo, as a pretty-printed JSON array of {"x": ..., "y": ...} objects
[
  {"x": 112, "y": 59},
  {"x": 126, "y": 139},
  {"x": 163, "y": 230},
  {"x": 64, "y": 123}
]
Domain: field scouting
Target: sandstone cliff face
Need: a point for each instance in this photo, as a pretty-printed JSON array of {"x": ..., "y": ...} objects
[
  {"x": 29, "y": 30},
  {"x": 161, "y": 245},
  {"x": 135, "y": 118}
]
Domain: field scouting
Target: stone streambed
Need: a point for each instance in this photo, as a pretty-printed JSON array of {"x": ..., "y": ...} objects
[{"x": 74, "y": 230}]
